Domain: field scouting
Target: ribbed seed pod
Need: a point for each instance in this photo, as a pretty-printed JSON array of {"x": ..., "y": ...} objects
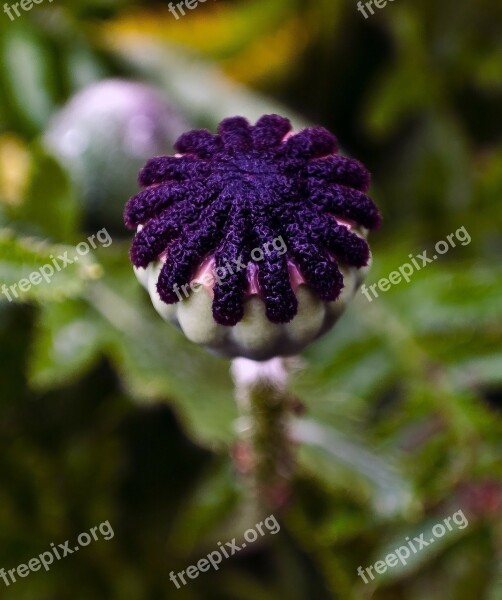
[{"x": 252, "y": 240}]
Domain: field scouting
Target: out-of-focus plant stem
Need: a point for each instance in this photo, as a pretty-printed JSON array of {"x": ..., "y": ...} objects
[{"x": 264, "y": 452}]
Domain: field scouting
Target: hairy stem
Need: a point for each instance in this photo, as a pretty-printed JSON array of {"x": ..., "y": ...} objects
[{"x": 264, "y": 452}]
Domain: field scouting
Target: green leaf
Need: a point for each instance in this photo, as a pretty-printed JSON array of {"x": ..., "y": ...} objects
[
  {"x": 67, "y": 341},
  {"x": 27, "y": 74},
  {"x": 29, "y": 270},
  {"x": 438, "y": 539},
  {"x": 389, "y": 492},
  {"x": 157, "y": 362},
  {"x": 201, "y": 89},
  {"x": 50, "y": 201}
]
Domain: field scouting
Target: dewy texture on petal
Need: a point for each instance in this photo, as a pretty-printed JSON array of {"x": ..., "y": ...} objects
[{"x": 228, "y": 193}]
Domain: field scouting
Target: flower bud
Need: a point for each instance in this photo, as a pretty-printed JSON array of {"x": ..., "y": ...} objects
[{"x": 103, "y": 136}]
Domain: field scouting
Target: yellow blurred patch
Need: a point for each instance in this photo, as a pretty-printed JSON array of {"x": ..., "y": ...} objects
[
  {"x": 251, "y": 42},
  {"x": 15, "y": 163},
  {"x": 270, "y": 55}
]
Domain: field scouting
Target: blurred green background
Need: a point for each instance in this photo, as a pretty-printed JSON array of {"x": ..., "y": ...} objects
[{"x": 107, "y": 413}]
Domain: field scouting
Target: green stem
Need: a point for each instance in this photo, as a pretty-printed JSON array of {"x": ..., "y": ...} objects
[{"x": 265, "y": 449}]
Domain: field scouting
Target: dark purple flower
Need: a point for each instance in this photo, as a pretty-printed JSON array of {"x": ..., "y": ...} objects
[{"x": 227, "y": 194}]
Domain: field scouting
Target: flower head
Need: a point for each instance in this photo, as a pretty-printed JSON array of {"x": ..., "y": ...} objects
[{"x": 272, "y": 210}]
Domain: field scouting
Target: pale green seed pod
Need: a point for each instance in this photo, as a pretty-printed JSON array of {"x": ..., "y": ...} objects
[{"x": 254, "y": 337}]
